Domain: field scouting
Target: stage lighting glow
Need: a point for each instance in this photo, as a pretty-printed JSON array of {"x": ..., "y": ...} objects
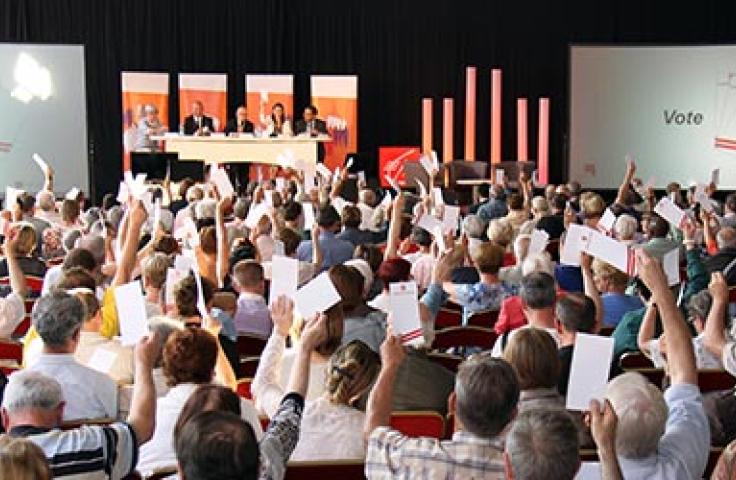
[{"x": 32, "y": 80}]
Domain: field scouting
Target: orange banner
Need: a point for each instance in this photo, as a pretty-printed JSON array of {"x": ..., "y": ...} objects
[
  {"x": 138, "y": 90},
  {"x": 210, "y": 89},
  {"x": 336, "y": 98},
  {"x": 263, "y": 92}
]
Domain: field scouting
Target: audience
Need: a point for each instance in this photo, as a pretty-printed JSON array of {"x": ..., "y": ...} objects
[{"x": 319, "y": 380}]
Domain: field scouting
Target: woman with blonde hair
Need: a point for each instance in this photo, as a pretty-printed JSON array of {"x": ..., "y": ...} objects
[
  {"x": 21, "y": 459},
  {"x": 24, "y": 249}
]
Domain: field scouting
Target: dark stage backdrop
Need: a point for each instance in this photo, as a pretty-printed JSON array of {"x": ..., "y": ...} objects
[{"x": 401, "y": 50}]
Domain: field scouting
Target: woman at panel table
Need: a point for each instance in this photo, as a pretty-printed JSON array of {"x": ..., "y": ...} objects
[{"x": 277, "y": 124}]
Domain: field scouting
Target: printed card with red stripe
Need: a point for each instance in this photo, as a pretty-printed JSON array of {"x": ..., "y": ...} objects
[{"x": 404, "y": 308}]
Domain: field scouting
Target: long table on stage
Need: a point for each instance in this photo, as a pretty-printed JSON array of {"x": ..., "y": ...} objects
[{"x": 242, "y": 149}]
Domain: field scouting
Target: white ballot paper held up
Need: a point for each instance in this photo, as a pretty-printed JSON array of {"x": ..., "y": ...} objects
[
  {"x": 324, "y": 171},
  {"x": 576, "y": 241},
  {"x": 404, "y": 307},
  {"x": 201, "y": 305},
  {"x": 500, "y": 175},
  {"x": 173, "y": 276},
  {"x": 131, "y": 309},
  {"x": 280, "y": 183},
  {"x": 704, "y": 200},
  {"x": 715, "y": 176},
  {"x": 611, "y": 251},
  {"x": 72, "y": 194},
  {"x": 361, "y": 177},
  {"x": 606, "y": 221},
  {"x": 422, "y": 188},
  {"x": 222, "y": 181},
  {"x": 437, "y": 196},
  {"x": 387, "y": 199},
  {"x": 671, "y": 266},
  {"x": 316, "y": 296},
  {"x": 394, "y": 184},
  {"x": 435, "y": 160},
  {"x": 284, "y": 277},
  {"x": 668, "y": 210},
  {"x": 589, "y": 370},
  {"x": 122, "y": 193},
  {"x": 427, "y": 163},
  {"x": 538, "y": 241},
  {"x": 450, "y": 217},
  {"x": 255, "y": 214},
  {"x": 102, "y": 360},
  {"x": 11, "y": 197},
  {"x": 183, "y": 263},
  {"x": 40, "y": 162},
  {"x": 308, "y": 211},
  {"x": 589, "y": 471},
  {"x": 429, "y": 223},
  {"x": 279, "y": 248}
]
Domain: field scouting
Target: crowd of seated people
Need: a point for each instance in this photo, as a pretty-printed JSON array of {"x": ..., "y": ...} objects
[{"x": 81, "y": 401}]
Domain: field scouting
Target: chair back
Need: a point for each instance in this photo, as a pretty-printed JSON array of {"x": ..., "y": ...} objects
[
  {"x": 419, "y": 424},
  {"x": 468, "y": 336},
  {"x": 327, "y": 470},
  {"x": 485, "y": 318},
  {"x": 250, "y": 345},
  {"x": 450, "y": 362},
  {"x": 243, "y": 388}
]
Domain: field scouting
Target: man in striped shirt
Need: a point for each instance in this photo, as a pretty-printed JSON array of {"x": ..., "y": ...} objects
[
  {"x": 484, "y": 404},
  {"x": 33, "y": 407}
]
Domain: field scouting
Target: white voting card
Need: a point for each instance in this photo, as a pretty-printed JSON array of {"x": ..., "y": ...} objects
[
  {"x": 404, "y": 307},
  {"x": 538, "y": 241},
  {"x": 576, "y": 241},
  {"x": 668, "y": 210},
  {"x": 131, "y": 308},
  {"x": 284, "y": 277},
  {"x": 308, "y": 211},
  {"x": 316, "y": 296},
  {"x": 589, "y": 370}
]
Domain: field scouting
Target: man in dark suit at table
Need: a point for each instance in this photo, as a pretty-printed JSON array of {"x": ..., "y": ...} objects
[
  {"x": 239, "y": 172},
  {"x": 312, "y": 126},
  {"x": 239, "y": 124},
  {"x": 198, "y": 123}
]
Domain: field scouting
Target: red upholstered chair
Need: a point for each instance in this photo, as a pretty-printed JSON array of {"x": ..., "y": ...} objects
[
  {"x": 332, "y": 470},
  {"x": 250, "y": 345},
  {"x": 248, "y": 366},
  {"x": 419, "y": 424},
  {"x": 448, "y": 318},
  {"x": 11, "y": 351},
  {"x": 605, "y": 331},
  {"x": 715, "y": 380},
  {"x": 447, "y": 360},
  {"x": 34, "y": 284},
  {"x": 243, "y": 388},
  {"x": 634, "y": 361},
  {"x": 469, "y": 336},
  {"x": 264, "y": 422},
  {"x": 486, "y": 318}
]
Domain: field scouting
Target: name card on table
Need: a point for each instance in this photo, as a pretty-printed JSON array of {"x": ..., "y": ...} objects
[
  {"x": 404, "y": 308},
  {"x": 284, "y": 277},
  {"x": 589, "y": 370},
  {"x": 668, "y": 210},
  {"x": 316, "y": 296},
  {"x": 131, "y": 309}
]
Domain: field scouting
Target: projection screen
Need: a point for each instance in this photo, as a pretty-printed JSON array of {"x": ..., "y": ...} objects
[
  {"x": 671, "y": 108},
  {"x": 43, "y": 110}
]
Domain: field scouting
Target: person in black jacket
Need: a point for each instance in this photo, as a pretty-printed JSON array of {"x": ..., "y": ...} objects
[
  {"x": 198, "y": 123},
  {"x": 239, "y": 124},
  {"x": 312, "y": 126}
]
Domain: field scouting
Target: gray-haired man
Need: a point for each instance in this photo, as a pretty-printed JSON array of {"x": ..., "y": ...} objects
[{"x": 33, "y": 407}]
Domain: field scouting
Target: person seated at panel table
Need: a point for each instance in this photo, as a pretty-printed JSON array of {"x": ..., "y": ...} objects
[
  {"x": 312, "y": 126},
  {"x": 198, "y": 123},
  {"x": 239, "y": 124},
  {"x": 239, "y": 172},
  {"x": 149, "y": 126},
  {"x": 277, "y": 124}
]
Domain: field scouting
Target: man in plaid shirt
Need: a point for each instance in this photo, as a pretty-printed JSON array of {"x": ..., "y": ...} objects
[{"x": 484, "y": 403}]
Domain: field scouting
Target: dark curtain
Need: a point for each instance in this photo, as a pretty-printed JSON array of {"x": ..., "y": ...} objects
[{"x": 401, "y": 50}]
